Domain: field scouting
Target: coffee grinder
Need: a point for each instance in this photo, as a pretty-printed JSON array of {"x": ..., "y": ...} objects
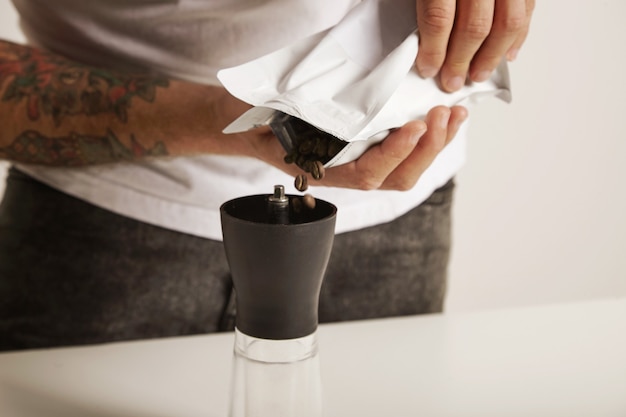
[{"x": 277, "y": 252}]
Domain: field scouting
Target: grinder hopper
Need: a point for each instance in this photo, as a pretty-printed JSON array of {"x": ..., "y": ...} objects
[{"x": 277, "y": 256}]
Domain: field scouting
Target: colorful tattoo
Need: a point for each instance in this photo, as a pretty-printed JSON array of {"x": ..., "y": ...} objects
[
  {"x": 76, "y": 150},
  {"x": 57, "y": 87}
]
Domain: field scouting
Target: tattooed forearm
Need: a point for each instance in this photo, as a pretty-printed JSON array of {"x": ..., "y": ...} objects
[
  {"x": 51, "y": 85},
  {"x": 76, "y": 150},
  {"x": 57, "y": 112}
]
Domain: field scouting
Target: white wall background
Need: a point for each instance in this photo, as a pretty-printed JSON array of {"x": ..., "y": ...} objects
[
  {"x": 541, "y": 207},
  {"x": 540, "y": 214}
]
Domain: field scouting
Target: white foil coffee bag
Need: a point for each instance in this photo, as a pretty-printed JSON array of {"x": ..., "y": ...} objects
[{"x": 355, "y": 81}]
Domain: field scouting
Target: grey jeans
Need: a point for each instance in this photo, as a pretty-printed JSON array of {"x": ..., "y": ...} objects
[{"x": 72, "y": 273}]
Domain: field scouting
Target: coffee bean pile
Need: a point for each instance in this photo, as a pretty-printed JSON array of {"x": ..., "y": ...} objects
[{"x": 311, "y": 148}]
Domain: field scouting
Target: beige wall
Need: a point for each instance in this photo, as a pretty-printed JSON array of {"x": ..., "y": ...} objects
[{"x": 540, "y": 215}]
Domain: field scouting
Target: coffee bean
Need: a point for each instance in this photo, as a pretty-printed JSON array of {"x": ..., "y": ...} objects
[
  {"x": 321, "y": 148},
  {"x": 307, "y": 165},
  {"x": 301, "y": 183},
  {"x": 306, "y": 146},
  {"x": 309, "y": 201},
  {"x": 334, "y": 147},
  {"x": 290, "y": 158},
  {"x": 317, "y": 170},
  {"x": 301, "y": 161}
]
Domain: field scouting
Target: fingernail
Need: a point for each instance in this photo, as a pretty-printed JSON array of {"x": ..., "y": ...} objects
[
  {"x": 444, "y": 119},
  {"x": 417, "y": 135},
  {"x": 458, "y": 122},
  {"x": 455, "y": 83},
  {"x": 512, "y": 54},
  {"x": 482, "y": 76},
  {"x": 426, "y": 71}
]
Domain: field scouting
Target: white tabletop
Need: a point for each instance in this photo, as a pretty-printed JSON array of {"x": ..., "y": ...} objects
[{"x": 563, "y": 360}]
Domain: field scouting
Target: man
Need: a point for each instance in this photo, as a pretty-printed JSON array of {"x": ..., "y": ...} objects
[{"x": 109, "y": 228}]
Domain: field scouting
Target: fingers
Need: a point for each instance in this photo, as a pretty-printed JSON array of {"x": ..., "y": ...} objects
[
  {"x": 471, "y": 28},
  {"x": 443, "y": 124},
  {"x": 373, "y": 167},
  {"x": 464, "y": 37},
  {"x": 521, "y": 38},
  {"x": 509, "y": 24},
  {"x": 398, "y": 161},
  {"x": 435, "y": 19}
]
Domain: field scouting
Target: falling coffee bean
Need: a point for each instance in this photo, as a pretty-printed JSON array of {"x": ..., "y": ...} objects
[{"x": 301, "y": 182}]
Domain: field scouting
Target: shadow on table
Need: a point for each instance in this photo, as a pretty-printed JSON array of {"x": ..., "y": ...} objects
[{"x": 28, "y": 402}]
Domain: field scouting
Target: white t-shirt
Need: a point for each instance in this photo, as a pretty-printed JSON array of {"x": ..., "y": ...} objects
[{"x": 192, "y": 40}]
